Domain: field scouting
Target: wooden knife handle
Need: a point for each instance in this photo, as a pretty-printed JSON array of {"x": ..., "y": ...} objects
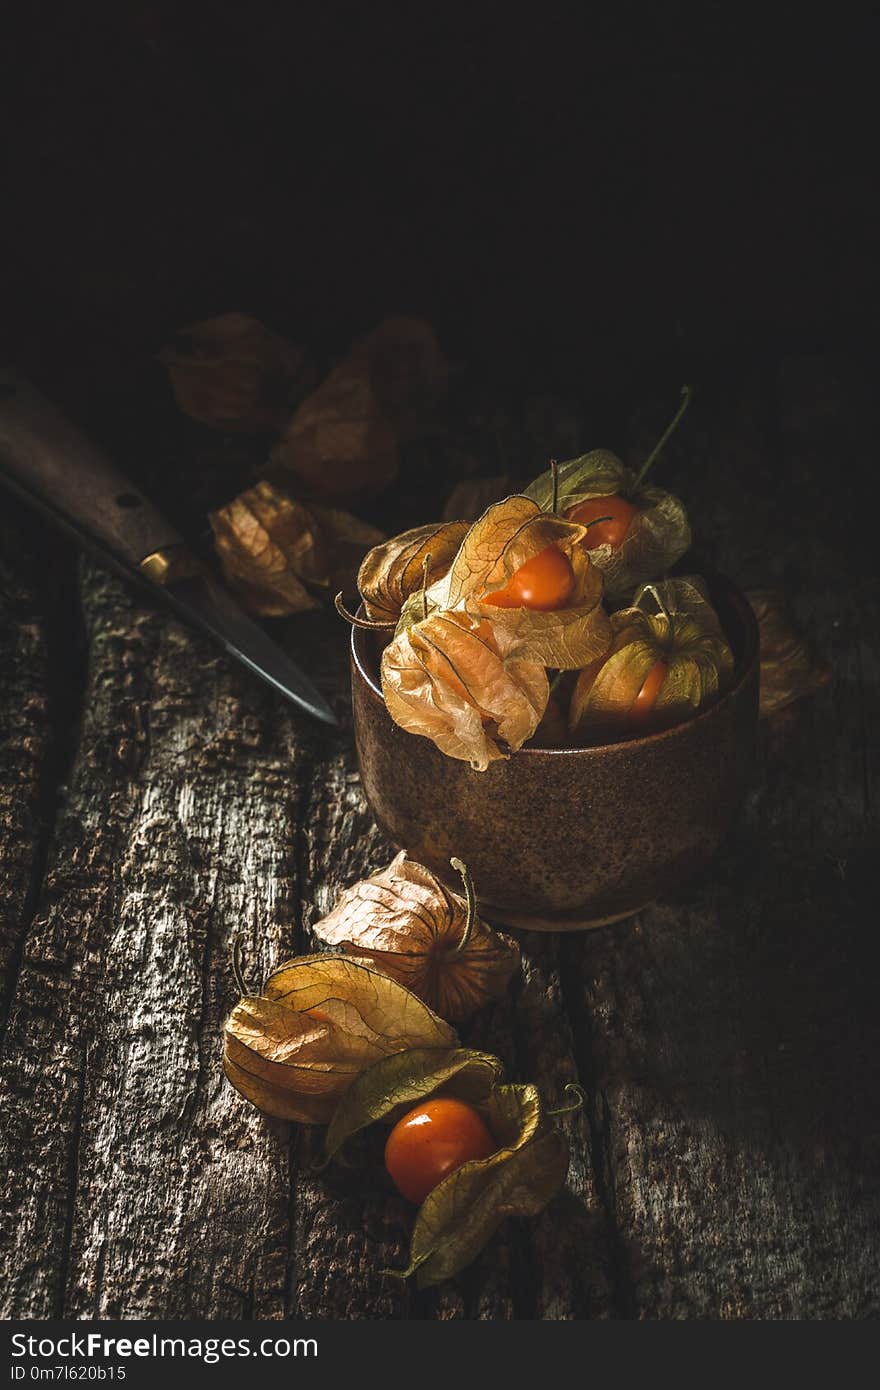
[{"x": 53, "y": 461}]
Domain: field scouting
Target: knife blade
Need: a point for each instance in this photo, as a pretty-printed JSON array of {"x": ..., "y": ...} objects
[{"x": 50, "y": 463}]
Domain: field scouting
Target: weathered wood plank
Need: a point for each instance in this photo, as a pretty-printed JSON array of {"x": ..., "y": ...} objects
[
  {"x": 25, "y": 739},
  {"x": 153, "y": 1189},
  {"x": 734, "y": 1031}
]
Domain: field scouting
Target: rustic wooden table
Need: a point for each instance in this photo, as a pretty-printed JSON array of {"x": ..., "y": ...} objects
[{"x": 156, "y": 803}]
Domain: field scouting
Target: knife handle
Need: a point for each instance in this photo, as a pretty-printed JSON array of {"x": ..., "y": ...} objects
[{"x": 53, "y": 461}]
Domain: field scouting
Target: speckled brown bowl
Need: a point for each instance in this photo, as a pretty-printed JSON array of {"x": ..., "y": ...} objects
[{"x": 561, "y": 840}]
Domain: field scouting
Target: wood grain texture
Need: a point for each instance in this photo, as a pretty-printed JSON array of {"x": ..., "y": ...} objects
[
  {"x": 726, "y": 1164},
  {"x": 734, "y": 1038},
  {"x": 24, "y": 740},
  {"x": 146, "y": 1174}
]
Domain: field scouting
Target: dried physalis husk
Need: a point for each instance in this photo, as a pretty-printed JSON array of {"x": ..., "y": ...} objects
[
  {"x": 658, "y": 535},
  {"x": 686, "y": 594},
  {"x": 343, "y": 442},
  {"x": 452, "y": 679},
  {"x": 508, "y": 535},
  {"x": 279, "y": 555},
  {"x": 662, "y": 667},
  {"x": 391, "y": 572},
  {"x": 406, "y": 923},
  {"x": 458, "y": 1219},
  {"x": 294, "y": 1050},
  {"x": 271, "y": 550},
  {"x": 387, "y": 1090},
  {"x": 233, "y": 373},
  {"x": 339, "y": 444},
  {"x": 789, "y": 670},
  {"x": 407, "y": 370},
  {"x": 650, "y": 527},
  {"x": 463, "y": 1212}
]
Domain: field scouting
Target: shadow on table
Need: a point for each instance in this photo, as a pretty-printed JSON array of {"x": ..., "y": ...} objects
[{"x": 751, "y": 1000}]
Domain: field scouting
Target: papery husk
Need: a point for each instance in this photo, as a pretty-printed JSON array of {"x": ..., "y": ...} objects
[
  {"x": 344, "y": 440},
  {"x": 789, "y": 669},
  {"x": 507, "y": 535},
  {"x": 464, "y": 1211},
  {"x": 686, "y": 594},
  {"x": 278, "y": 555},
  {"x": 335, "y": 983},
  {"x": 407, "y": 370},
  {"x": 289, "y": 1065},
  {"x": 700, "y": 666},
  {"x": 451, "y": 679},
  {"x": 421, "y": 604},
  {"x": 564, "y": 639},
  {"x": 391, "y": 572},
  {"x": 296, "y": 1066},
  {"x": 339, "y": 445},
  {"x": 461, "y": 1214},
  {"x": 658, "y": 535},
  {"x": 269, "y": 546},
  {"x": 406, "y": 923},
  {"x": 232, "y": 373},
  {"x": 391, "y": 1087}
]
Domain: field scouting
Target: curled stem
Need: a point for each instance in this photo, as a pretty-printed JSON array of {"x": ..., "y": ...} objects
[
  {"x": 687, "y": 392},
  {"x": 658, "y": 599},
  {"x": 371, "y": 624},
  {"x": 425, "y": 566},
  {"x": 470, "y": 898},
  {"x": 577, "y": 1104},
  {"x": 410, "y": 1269}
]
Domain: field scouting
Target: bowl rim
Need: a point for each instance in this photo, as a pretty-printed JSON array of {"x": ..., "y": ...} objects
[{"x": 749, "y": 664}]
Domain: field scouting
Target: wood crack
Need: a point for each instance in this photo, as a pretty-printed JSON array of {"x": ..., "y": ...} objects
[
  {"x": 599, "y": 1121},
  {"x": 73, "y": 1168}
]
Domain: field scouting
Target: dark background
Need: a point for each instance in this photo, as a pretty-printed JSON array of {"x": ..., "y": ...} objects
[{"x": 609, "y": 191}]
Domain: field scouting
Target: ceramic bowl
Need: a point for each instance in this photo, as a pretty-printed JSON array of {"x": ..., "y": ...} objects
[{"x": 565, "y": 839}]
